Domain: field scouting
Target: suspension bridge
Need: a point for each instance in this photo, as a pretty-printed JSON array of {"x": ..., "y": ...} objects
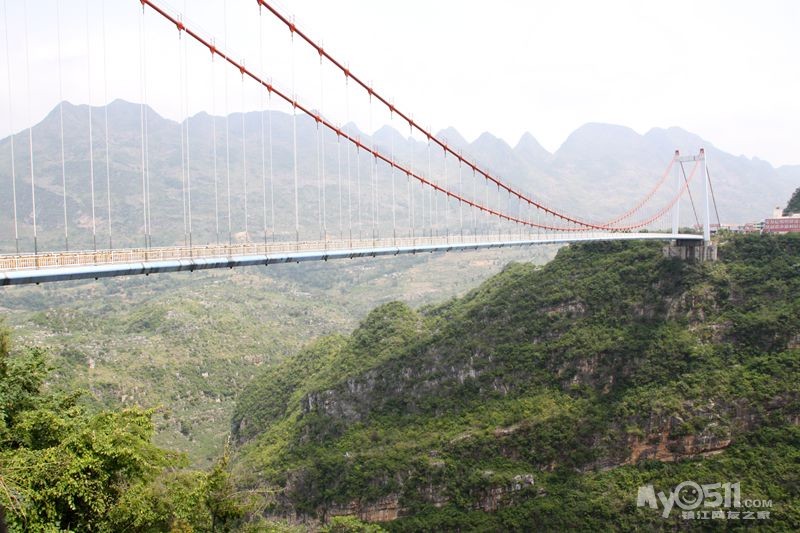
[{"x": 212, "y": 194}]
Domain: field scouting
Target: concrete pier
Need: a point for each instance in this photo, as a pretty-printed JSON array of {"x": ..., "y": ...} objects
[{"x": 691, "y": 250}]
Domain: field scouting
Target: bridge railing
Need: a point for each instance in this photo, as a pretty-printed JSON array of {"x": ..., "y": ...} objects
[{"x": 176, "y": 253}]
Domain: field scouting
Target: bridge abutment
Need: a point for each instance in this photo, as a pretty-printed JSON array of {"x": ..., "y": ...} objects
[{"x": 691, "y": 250}]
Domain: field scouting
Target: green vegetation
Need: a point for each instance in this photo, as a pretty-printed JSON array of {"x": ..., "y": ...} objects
[
  {"x": 190, "y": 342},
  {"x": 794, "y": 203},
  {"x": 65, "y": 466},
  {"x": 545, "y": 397}
]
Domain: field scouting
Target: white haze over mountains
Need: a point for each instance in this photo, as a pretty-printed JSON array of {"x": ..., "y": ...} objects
[{"x": 724, "y": 69}]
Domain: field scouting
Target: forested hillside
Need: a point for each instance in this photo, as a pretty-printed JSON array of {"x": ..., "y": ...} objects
[
  {"x": 190, "y": 342},
  {"x": 545, "y": 397}
]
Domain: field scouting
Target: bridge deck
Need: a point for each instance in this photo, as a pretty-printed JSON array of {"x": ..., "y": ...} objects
[{"x": 60, "y": 266}]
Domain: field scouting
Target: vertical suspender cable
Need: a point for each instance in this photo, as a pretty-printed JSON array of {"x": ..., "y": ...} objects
[
  {"x": 148, "y": 203},
  {"x": 214, "y": 141},
  {"x": 410, "y": 207},
  {"x": 324, "y": 192},
  {"x": 486, "y": 203},
  {"x": 370, "y": 167},
  {"x": 148, "y": 241},
  {"x": 11, "y": 128},
  {"x": 431, "y": 198},
  {"x": 244, "y": 165},
  {"x": 376, "y": 229},
  {"x": 105, "y": 120},
  {"x": 322, "y": 153},
  {"x": 61, "y": 126},
  {"x": 147, "y": 168},
  {"x": 294, "y": 144},
  {"x": 436, "y": 215},
  {"x": 410, "y": 188},
  {"x": 187, "y": 120},
  {"x": 394, "y": 198},
  {"x": 510, "y": 212},
  {"x": 91, "y": 138},
  {"x": 474, "y": 198},
  {"x": 271, "y": 171},
  {"x": 227, "y": 134},
  {"x": 538, "y": 226},
  {"x": 261, "y": 115},
  {"x": 423, "y": 209},
  {"x": 525, "y": 213},
  {"x": 358, "y": 188},
  {"x": 30, "y": 130},
  {"x": 319, "y": 176},
  {"x": 676, "y": 213},
  {"x": 227, "y": 131},
  {"x": 339, "y": 179},
  {"x": 349, "y": 174},
  {"x": 377, "y": 193},
  {"x": 185, "y": 105},
  {"x": 349, "y": 196},
  {"x": 373, "y": 174},
  {"x": 501, "y": 222},
  {"x": 460, "y": 204},
  {"x": 529, "y": 218},
  {"x": 181, "y": 122},
  {"x": 446, "y": 198},
  {"x": 141, "y": 117}
]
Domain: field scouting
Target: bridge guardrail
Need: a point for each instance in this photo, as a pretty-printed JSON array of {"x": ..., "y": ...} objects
[{"x": 79, "y": 258}]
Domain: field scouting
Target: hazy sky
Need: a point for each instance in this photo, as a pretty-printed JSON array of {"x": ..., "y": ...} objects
[{"x": 726, "y": 70}]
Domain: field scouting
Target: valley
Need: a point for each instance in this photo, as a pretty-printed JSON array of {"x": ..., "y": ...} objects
[
  {"x": 642, "y": 375},
  {"x": 189, "y": 343}
]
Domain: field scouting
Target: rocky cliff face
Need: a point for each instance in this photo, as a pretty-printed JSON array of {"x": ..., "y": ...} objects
[{"x": 606, "y": 361}]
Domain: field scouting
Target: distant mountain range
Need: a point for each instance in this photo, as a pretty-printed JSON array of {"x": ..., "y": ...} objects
[
  {"x": 604, "y": 168},
  {"x": 598, "y": 172}
]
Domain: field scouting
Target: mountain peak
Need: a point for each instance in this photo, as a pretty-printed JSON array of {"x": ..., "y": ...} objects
[
  {"x": 386, "y": 134},
  {"x": 529, "y": 149},
  {"x": 452, "y": 137},
  {"x": 615, "y": 131},
  {"x": 596, "y": 140},
  {"x": 487, "y": 139}
]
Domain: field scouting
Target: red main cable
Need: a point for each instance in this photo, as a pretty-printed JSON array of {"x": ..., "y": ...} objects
[
  {"x": 583, "y": 226},
  {"x": 316, "y": 116},
  {"x": 647, "y": 197},
  {"x": 669, "y": 206},
  {"x": 392, "y": 109},
  {"x": 443, "y": 145}
]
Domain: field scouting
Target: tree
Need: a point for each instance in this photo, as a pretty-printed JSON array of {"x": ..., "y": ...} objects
[
  {"x": 220, "y": 497},
  {"x": 63, "y": 467},
  {"x": 350, "y": 524},
  {"x": 185, "y": 500}
]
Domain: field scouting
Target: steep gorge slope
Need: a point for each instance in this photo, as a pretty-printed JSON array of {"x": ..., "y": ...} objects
[
  {"x": 189, "y": 342},
  {"x": 546, "y": 396}
]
